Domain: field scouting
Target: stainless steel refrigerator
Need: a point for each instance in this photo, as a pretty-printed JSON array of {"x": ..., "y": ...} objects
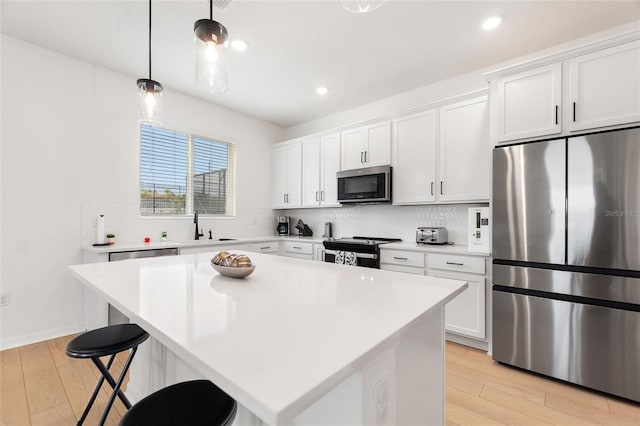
[{"x": 566, "y": 268}]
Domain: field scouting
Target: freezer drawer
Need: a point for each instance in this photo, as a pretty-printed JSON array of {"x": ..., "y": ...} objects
[{"x": 592, "y": 346}]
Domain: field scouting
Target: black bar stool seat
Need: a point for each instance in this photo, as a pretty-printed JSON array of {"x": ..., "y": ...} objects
[
  {"x": 107, "y": 341},
  {"x": 193, "y": 403}
]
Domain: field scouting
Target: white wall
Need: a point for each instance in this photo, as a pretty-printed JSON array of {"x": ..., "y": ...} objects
[
  {"x": 69, "y": 148},
  {"x": 438, "y": 91}
]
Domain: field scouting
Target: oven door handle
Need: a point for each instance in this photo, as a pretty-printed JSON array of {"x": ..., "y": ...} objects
[{"x": 358, "y": 255}]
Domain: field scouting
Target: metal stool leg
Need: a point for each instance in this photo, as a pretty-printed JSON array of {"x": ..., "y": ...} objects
[
  {"x": 95, "y": 393},
  {"x": 115, "y": 385}
]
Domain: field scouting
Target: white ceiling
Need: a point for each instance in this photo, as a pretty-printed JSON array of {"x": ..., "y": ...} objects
[{"x": 297, "y": 45}]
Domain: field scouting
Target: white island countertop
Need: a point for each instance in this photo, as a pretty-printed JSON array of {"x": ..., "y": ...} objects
[{"x": 279, "y": 339}]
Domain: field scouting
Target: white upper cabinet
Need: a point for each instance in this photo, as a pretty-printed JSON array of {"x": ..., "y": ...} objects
[
  {"x": 528, "y": 103},
  {"x": 414, "y": 154},
  {"x": 320, "y": 164},
  {"x": 329, "y": 166},
  {"x": 604, "y": 87},
  {"x": 287, "y": 175},
  {"x": 464, "y": 151},
  {"x": 366, "y": 146},
  {"x": 311, "y": 172},
  {"x": 451, "y": 164}
]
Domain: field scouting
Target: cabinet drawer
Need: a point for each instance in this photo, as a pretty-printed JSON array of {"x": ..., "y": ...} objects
[
  {"x": 400, "y": 257},
  {"x": 296, "y": 247},
  {"x": 266, "y": 247},
  {"x": 401, "y": 268},
  {"x": 470, "y": 264}
]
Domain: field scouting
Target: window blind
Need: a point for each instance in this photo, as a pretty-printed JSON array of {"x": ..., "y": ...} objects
[{"x": 180, "y": 173}]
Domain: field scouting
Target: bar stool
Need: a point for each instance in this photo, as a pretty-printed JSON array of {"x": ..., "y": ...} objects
[
  {"x": 107, "y": 341},
  {"x": 193, "y": 403}
]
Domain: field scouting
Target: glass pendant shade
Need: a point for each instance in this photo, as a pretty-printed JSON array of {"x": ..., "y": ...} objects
[
  {"x": 211, "y": 55},
  {"x": 149, "y": 100},
  {"x": 149, "y": 92}
]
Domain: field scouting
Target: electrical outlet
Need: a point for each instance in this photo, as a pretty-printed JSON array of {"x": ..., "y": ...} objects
[
  {"x": 381, "y": 400},
  {"x": 5, "y": 299}
]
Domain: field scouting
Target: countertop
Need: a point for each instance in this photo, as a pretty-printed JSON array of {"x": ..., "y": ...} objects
[
  {"x": 278, "y": 338},
  {"x": 132, "y": 246},
  {"x": 405, "y": 245},
  {"x": 430, "y": 248}
]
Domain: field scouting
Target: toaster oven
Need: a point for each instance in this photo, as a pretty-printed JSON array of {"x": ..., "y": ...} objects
[{"x": 426, "y": 235}]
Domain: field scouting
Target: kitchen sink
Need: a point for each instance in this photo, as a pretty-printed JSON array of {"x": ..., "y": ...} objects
[{"x": 215, "y": 240}]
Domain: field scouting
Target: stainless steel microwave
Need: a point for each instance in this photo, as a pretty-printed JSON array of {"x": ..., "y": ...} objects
[{"x": 368, "y": 185}]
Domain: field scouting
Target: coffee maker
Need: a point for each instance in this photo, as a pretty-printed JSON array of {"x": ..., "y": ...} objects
[{"x": 283, "y": 225}]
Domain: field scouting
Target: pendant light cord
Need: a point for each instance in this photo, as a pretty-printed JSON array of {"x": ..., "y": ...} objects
[
  {"x": 211, "y": 10},
  {"x": 149, "y": 39}
]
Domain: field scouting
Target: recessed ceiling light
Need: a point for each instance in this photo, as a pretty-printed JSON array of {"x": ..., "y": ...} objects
[
  {"x": 239, "y": 44},
  {"x": 491, "y": 23},
  {"x": 322, "y": 90}
]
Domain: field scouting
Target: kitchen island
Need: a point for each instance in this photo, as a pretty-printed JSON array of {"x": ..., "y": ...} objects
[{"x": 296, "y": 342}]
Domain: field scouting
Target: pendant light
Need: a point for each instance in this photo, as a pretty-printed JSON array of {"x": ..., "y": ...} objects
[
  {"x": 211, "y": 53},
  {"x": 149, "y": 91}
]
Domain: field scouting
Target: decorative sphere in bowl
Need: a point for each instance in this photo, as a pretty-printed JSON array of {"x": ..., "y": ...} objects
[{"x": 232, "y": 265}]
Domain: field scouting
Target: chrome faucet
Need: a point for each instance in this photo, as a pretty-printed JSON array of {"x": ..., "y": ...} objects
[{"x": 195, "y": 220}]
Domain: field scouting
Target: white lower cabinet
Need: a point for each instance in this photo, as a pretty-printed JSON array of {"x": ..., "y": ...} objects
[
  {"x": 270, "y": 247},
  {"x": 318, "y": 250},
  {"x": 300, "y": 250},
  {"x": 466, "y": 314}
]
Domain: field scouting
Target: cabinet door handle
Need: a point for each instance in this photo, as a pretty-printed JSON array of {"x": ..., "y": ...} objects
[
  {"x": 400, "y": 258},
  {"x": 455, "y": 263},
  {"x": 297, "y": 247},
  {"x": 361, "y": 153},
  {"x": 556, "y": 114},
  {"x": 574, "y": 112},
  {"x": 265, "y": 248},
  {"x": 365, "y": 156},
  {"x": 317, "y": 196},
  {"x": 321, "y": 195},
  {"x": 432, "y": 189},
  {"x": 441, "y": 192},
  {"x": 284, "y": 198},
  {"x": 287, "y": 198}
]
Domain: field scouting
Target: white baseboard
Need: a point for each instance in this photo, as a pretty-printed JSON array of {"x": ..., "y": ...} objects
[
  {"x": 483, "y": 345},
  {"x": 40, "y": 336}
]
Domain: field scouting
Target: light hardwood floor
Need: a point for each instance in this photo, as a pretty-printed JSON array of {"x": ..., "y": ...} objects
[{"x": 40, "y": 385}]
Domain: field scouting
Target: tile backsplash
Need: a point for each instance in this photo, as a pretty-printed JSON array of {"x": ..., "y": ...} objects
[
  {"x": 386, "y": 220},
  {"x": 124, "y": 220}
]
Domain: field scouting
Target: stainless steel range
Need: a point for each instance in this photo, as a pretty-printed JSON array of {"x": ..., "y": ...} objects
[{"x": 355, "y": 251}]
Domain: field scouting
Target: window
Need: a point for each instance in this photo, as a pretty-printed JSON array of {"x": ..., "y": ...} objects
[{"x": 180, "y": 173}]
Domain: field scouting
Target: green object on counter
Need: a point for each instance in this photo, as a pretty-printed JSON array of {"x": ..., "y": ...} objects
[{"x": 164, "y": 236}]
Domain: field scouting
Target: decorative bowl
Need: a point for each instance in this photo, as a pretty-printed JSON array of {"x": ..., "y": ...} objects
[{"x": 234, "y": 271}]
